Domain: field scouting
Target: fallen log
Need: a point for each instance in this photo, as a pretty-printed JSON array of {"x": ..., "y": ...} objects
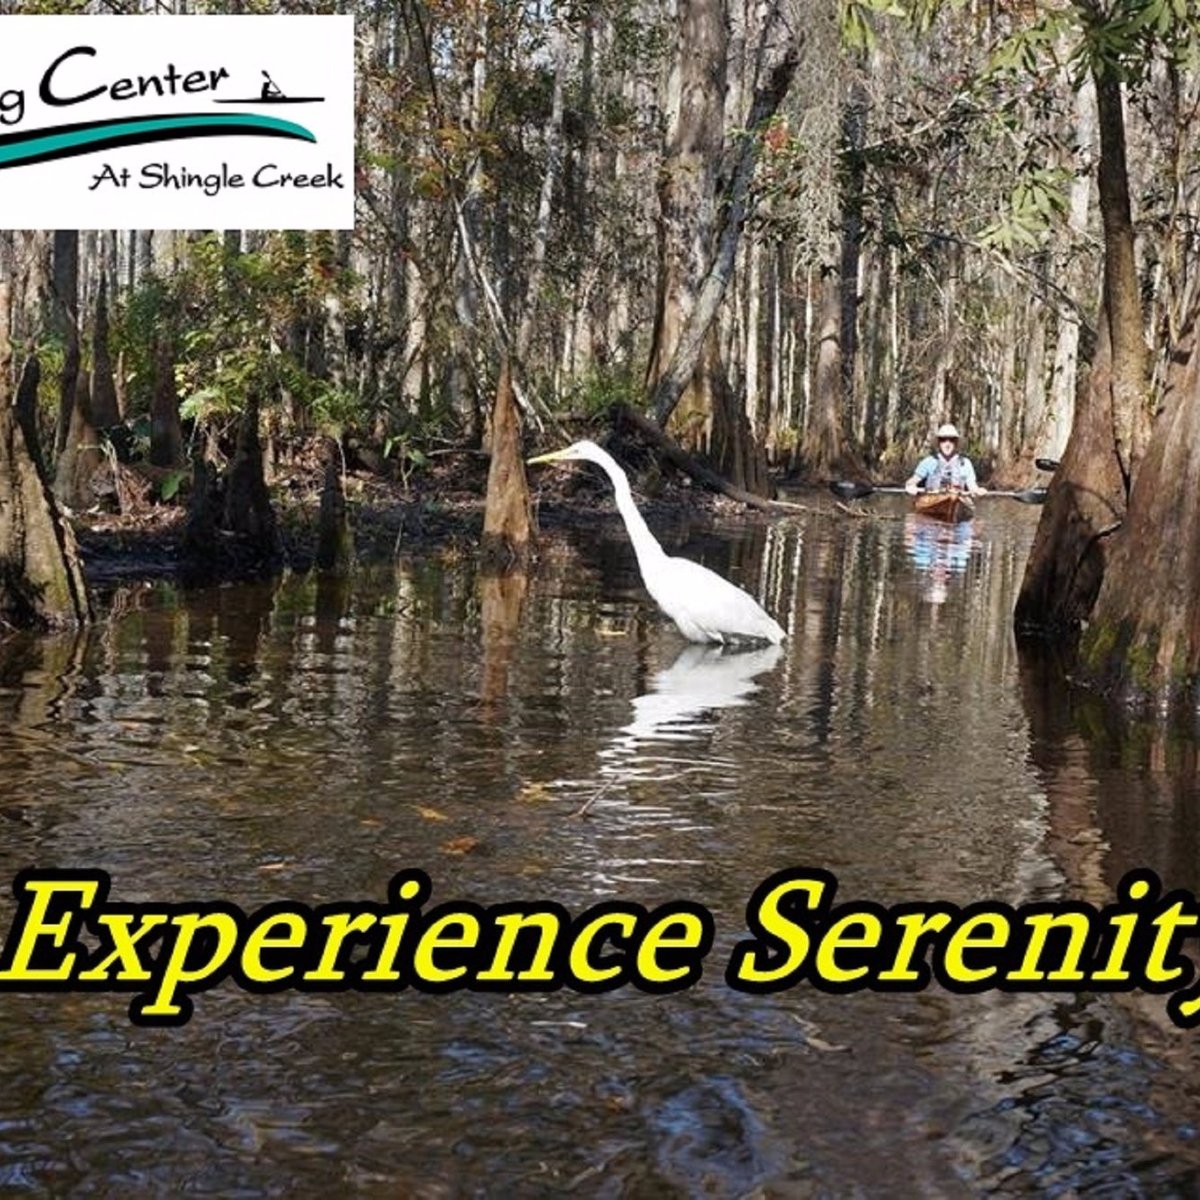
[{"x": 693, "y": 468}]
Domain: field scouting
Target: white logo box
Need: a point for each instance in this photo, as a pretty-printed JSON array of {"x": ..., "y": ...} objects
[{"x": 205, "y": 122}]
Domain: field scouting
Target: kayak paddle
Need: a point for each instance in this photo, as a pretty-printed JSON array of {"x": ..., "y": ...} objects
[{"x": 848, "y": 490}]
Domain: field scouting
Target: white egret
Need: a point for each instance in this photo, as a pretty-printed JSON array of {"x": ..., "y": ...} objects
[{"x": 706, "y": 607}]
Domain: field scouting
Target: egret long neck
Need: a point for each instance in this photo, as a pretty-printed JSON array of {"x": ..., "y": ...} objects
[{"x": 645, "y": 546}]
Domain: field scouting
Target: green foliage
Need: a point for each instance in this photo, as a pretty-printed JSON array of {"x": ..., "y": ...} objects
[
  {"x": 855, "y": 20},
  {"x": 856, "y": 17},
  {"x": 169, "y": 488},
  {"x": 1120, "y": 40},
  {"x": 52, "y": 355},
  {"x": 597, "y": 392},
  {"x": 150, "y": 313},
  {"x": 239, "y": 324},
  {"x": 53, "y": 8},
  {"x": 1029, "y": 46},
  {"x": 404, "y": 449},
  {"x": 1037, "y": 201},
  {"x": 637, "y": 42}
]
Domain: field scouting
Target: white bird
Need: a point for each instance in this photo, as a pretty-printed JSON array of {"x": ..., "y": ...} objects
[{"x": 706, "y": 607}]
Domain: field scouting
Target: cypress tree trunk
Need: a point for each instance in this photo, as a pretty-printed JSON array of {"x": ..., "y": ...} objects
[
  {"x": 66, "y": 301},
  {"x": 507, "y": 520},
  {"x": 335, "y": 542},
  {"x": 1143, "y": 639},
  {"x": 80, "y": 457},
  {"x": 1087, "y": 496},
  {"x": 105, "y": 410},
  {"x": 1122, "y": 296},
  {"x": 1084, "y": 506},
  {"x": 687, "y": 377},
  {"x": 824, "y": 449},
  {"x": 166, "y": 434},
  {"x": 41, "y": 582},
  {"x": 248, "y": 512},
  {"x": 687, "y": 187},
  {"x": 26, "y": 411}
]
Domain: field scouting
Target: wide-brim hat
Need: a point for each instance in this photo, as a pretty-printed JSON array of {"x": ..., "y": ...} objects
[{"x": 947, "y": 431}]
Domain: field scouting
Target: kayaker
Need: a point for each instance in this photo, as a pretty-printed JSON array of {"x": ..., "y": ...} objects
[{"x": 946, "y": 470}]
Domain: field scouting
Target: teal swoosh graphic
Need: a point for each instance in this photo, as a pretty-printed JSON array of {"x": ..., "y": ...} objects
[{"x": 68, "y": 141}]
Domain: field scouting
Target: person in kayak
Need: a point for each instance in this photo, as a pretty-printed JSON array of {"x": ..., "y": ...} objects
[{"x": 946, "y": 470}]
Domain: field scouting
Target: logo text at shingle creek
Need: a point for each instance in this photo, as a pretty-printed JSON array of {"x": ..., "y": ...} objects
[
  {"x": 67, "y": 935},
  {"x": 232, "y": 121}
]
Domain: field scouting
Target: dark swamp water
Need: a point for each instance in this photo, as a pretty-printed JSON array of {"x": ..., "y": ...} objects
[{"x": 307, "y": 740}]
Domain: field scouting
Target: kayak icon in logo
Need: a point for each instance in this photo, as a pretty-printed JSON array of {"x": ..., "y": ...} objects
[{"x": 271, "y": 94}]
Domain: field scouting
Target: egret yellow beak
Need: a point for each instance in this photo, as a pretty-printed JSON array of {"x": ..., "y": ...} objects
[{"x": 553, "y": 456}]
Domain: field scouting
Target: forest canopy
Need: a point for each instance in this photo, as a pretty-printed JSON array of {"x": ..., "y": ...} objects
[
  {"x": 922, "y": 195},
  {"x": 800, "y": 234}
]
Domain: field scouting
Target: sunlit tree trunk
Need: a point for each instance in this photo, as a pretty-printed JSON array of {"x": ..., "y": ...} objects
[
  {"x": 144, "y": 256},
  {"x": 1122, "y": 295},
  {"x": 550, "y": 179},
  {"x": 824, "y": 440},
  {"x": 1143, "y": 637},
  {"x": 695, "y": 366},
  {"x": 751, "y": 333},
  {"x": 854, "y": 133},
  {"x": 467, "y": 302},
  {"x": 687, "y": 185},
  {"x": 1051, "y": 433},
  {"x": 1087, "y": 497}
]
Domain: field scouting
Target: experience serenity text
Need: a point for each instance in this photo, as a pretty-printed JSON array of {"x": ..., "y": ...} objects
[{"x": 66, "y": 935}]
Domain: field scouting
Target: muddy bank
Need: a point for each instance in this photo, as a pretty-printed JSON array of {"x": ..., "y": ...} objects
[{"x": 439, "y": 510}]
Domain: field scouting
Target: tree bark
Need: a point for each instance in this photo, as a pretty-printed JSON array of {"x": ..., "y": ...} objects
[
  {"x": 66, "y": 307},
  {"x": 1084, "y": 505},
  {"x": 687, "y": 196},
  {"x": 41, "y": 581},
  {"x": 822, "y": 448},
  {"x": 166, "y": 433},
  {"x": 1143, "y": 639},
  {"x": 541, "y": 231},
  {"x": 507, "y": 520},
  {"x": 1122, "y": 296},
  {"x": 1088, "y": 494},
  {"x": 335, "y": 542},
  {"x": 735, "y": 449},
  {"x": 80, "y": 457},
  {"x": 105, "y": 411},
  {"x": 27, "y": 411},
  {"x": 854, "y": 138},
  {"x": 1051, "y": 432},
  {"x": 247, "y": 509},
  {"x": 671, "y": 372}
]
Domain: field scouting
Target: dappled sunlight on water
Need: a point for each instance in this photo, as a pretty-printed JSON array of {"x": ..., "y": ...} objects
[{"x": 553, "y": 739}]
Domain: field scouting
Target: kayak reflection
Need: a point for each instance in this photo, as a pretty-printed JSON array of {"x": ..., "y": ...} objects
[{"x": 939, "y": 552}]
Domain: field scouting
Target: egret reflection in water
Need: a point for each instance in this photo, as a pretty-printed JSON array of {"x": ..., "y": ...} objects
[{"x": 683, "y": 704}]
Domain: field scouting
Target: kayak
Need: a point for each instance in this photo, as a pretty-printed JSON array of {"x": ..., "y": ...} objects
[{"x": 946, "y": 506}]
